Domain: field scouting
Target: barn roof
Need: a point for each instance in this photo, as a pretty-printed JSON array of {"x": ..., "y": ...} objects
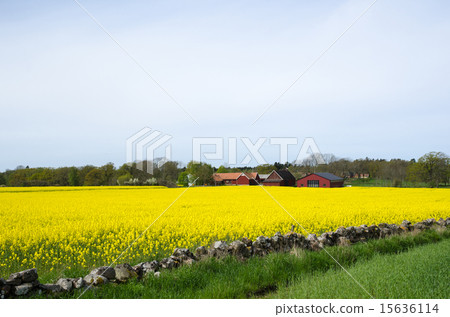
[
  {"x": 329, "y": 176},
  {"x": 286, "y": 175},
  {"x": 263, "y": 176},
  {"x": 218, "y": 177},
  {"x": 251, "y": 175}
]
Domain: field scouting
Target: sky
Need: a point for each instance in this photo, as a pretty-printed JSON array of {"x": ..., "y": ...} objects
[{"x": 71, "y": 95}]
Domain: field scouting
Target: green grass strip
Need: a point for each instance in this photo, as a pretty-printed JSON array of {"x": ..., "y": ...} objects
[
  {"x": 421, "y": 272},
  {"x": 257, "y": 277}
]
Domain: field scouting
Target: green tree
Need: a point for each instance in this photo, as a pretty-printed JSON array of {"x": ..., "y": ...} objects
[
  {"x": 108, "y": 174},
  {"x": 61, "y": 176},
  {"x": 435, "y": 168},
  {"x": 82, "y": 172},
  {"x": 20, "y": 177},
  {"x": 201, "y": 173},
  {"x": 74, "y": 179},
  {"x": 265, "y": 168},
  {"x": 2, "y": 179},
  {"x": 183, "y": 179},
  {"x": 123, "y": 178},
  {"x": 94, "y": 178},
  {"x": 222, "y": 169}
]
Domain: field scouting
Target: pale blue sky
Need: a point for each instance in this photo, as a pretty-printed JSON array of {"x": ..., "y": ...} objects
[{"x": 70, "y": 96}]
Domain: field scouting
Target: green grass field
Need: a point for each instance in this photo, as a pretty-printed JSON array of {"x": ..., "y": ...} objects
[
  {"x": 372, "y": 182},
  {"x": 422, "y": 272},
  {"x": 419, "y": 263}
]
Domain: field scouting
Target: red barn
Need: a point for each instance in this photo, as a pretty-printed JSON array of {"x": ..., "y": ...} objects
[
  {"x": 236, "y": 178},
  {"x": 280, "y": 178},
  {"x": 320, "y": 180},
  {"x": 248, "y": 179},
  {"x": 225, "y": 178}
]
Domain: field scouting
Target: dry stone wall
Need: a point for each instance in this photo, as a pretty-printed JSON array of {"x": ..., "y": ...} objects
[{"x": 24, "y": 283}]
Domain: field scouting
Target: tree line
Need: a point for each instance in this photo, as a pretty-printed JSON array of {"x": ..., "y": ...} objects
[{"x": 432, "y": 169}]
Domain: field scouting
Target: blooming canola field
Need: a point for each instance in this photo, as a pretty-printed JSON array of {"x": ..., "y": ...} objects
[{"x": 63, "y": 228}]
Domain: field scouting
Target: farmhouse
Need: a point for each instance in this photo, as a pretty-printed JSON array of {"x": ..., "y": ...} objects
[
  {"x": 225, "y": 178},
  {"x": 236, "y": 178},
  {"x": 280, "y": 178},
  {"x": 320, "y": 180}
]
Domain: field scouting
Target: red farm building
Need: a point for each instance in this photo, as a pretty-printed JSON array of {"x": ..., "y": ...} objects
[
  {"x": 248, "y": 179},
  {"x": 225, "y": 178},
  {"x": 279, "y": 178},
  {"x": 236, "y": 179},
  {"x": 320, "y": 180}
]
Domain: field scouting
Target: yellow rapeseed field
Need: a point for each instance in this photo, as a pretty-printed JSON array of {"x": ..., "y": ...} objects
[{"x": 65, "y": 228}]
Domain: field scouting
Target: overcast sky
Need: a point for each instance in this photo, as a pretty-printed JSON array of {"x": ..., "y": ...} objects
[{"x": 70, "y": 96}]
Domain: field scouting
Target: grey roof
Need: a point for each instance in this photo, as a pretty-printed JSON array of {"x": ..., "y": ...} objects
[
  {"x": 329, "y": 176},
  {"x": 263, "y": 176},
  {"x": 286, "y": 175}
]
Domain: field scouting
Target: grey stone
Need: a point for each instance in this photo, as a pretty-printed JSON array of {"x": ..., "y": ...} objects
[
  {"x": 201, "y": 252},
  {"x": 27, "y": 276},
  {"x": 151, "y": 266},
  {"x": 219, "y": 249},
  {"x": 384, "y": 232},
  {"x": 184, "y": 255},
  {"x": 341, "y": 232},
  {"x": 239, "y": 250},
  {"x": 14, "y": 281},
  {"x": 406, "y": 223},
  {"x": 5, "y": 291},
  {"x": 295, "y": 240},
  {"x": 23, "y": 289},
  {"x": 247, "y": 242},
  {"x": 168, "y": 263},
  {"x": 51, "y": 288},
  {"x": 419, "y": 226},
  {"x": 124, "y": 272},
  {"x": 78, "y": 283},
  {"x": 394, "y": 229},
  {"x": 373, "y": 232},
  {"x": 176, "y": 260},
  {"x": 105, "y": 271},
  {"x": 311, "y": 237},
  {"x": 278, "y": 243},
  {"x": 95, "y": 279},
  {"x": 314, "y": 243},
  {"x": 65, "y": 283},
  {"x": 261, "y": 246},
  {"x": 342, "y": 241},
  {"x": 178, "y": 252},
  {"x": 221, "y": 245},
  {"x": 146, "y": 267},
  {"x": 429, "y": 222},
  {"x": 188, "y": 261},
  {"x": 327, "y": 239}
]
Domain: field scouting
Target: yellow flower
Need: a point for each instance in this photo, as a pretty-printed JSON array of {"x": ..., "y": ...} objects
[{"x": 83, "y": 227}]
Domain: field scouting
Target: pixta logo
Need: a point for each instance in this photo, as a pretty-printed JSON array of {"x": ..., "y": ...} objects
[
  {"x": 143, "y": 145},
  {"x": 252, "y": 150}
]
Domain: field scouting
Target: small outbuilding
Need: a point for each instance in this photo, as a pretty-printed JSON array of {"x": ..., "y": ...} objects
[{"x": 320, "y": 180}]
